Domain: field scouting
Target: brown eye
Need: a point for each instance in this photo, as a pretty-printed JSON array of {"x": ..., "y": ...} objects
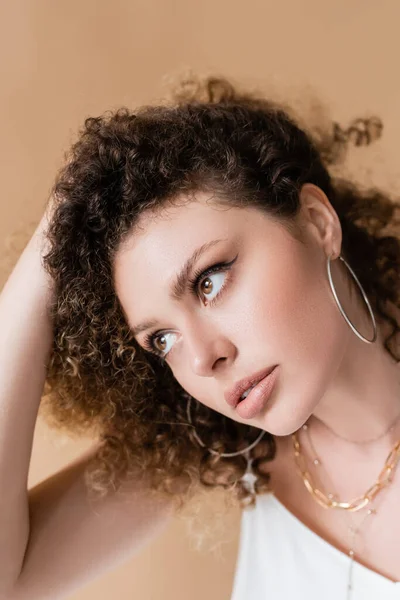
[
  {"x": 207, "y": 285},
  {"x": 160, "y": 343}
]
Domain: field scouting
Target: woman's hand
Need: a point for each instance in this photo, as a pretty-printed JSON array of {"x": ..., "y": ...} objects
[{"x": 38, "y": 246}]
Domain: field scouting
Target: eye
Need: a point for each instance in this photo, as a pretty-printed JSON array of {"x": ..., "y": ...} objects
[
  {"x": 210, "y": 282},
  {"x": 211, "y": 286},
  {"x": 159, "y": 343},
  {"x": 206, "y": 278}
]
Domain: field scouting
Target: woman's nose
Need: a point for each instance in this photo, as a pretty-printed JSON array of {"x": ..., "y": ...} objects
[{"x": 208, "y": 351}]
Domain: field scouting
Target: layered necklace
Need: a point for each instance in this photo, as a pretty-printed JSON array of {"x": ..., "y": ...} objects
[{"x": 330, "y": 500}]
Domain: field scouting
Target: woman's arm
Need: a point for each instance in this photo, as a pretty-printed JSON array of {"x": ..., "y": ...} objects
[
  {"x": 52, "y": 540},
  {"x": 73, "y": 542},
  {"x": 25, "y": 342}
]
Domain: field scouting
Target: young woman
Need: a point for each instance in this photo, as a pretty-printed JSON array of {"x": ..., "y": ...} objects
[{"x": 220, "y": 310}]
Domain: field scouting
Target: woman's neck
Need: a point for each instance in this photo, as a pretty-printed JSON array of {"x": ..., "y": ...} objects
[{"x": 364, "y": 399}]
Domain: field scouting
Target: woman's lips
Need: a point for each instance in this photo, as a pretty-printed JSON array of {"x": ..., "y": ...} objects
[
  {"x": 258, "y": 397},
  {"x": 233, "y": 396}
]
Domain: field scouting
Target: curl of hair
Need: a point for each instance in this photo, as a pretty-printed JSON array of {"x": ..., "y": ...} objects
[{"x": 209, "y": 136}]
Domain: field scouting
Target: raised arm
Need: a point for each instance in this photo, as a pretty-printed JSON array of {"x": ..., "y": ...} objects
[
  {"x": 25, "y": 341},
  {"x": 52, "y": 540}
]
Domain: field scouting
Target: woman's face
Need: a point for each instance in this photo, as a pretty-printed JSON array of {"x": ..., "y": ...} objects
[{"x": 267, "y": 303}]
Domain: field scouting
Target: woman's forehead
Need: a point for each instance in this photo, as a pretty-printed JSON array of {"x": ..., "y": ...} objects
[
  {"x": 189, "y": 221},
  {"x": 159, "y": 250},
  {"x": 160, "y": 246},
  {"x": 183, "y": 212}
]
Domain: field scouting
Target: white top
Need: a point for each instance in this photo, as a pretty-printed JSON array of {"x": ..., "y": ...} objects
[{"x": 280, "y": 558}]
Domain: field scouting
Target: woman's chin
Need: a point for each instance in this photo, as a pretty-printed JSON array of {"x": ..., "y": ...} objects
[{"x": 282, "y": 426}]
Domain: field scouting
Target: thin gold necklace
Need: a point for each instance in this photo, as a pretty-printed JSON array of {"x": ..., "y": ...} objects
[
  {"x": 327, "y": 500},
  {"x": 364, "y": 442},
  {"x": 353, "y": 531}
]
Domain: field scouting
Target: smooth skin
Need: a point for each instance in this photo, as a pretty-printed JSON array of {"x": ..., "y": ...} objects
[{"x": 274, "y": 305}]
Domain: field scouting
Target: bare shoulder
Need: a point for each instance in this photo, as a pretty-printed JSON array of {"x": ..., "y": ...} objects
[{"x": 73, "y": 540}]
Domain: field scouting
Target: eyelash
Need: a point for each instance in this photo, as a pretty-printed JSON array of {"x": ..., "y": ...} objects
[{"x": 198, "y": 275}]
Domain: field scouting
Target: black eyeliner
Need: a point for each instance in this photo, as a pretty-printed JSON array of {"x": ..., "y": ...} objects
[
  {"x": 194, "y": 281},
  {"x": 200, "y": 274}
]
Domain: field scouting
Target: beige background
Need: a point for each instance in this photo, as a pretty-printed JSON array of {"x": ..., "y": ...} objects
[{"x": 64, "y": 60}]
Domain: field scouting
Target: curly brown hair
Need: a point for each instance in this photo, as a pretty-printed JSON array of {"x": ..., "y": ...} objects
[{"x": 208, "y": 136}]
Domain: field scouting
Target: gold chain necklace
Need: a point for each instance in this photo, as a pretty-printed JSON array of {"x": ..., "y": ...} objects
[
  {"x": 353, "y": 531},
  {"x": 327, "y": 500}
]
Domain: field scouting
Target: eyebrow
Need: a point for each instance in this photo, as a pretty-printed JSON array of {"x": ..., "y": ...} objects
[{"x": 180, "y": 284}]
